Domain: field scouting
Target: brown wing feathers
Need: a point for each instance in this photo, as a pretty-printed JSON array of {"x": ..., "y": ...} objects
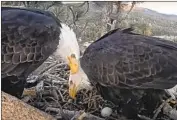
[
  {"x": 139, "y": 61},
  {"x": 27, "y": 38}
]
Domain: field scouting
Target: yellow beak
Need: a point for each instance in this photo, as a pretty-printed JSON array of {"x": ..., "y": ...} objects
[
  {"x": 74, "y": 67},
  {"x": 73, "y": 64},
  {"x": 72, "y": 91}
]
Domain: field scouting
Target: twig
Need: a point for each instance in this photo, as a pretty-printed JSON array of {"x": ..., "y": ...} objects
[
  {"x": 63, "y": 100},
  {"x": 86, "y": 23},
  {"x": 144, "y": 117},
  {"x": 59, "y": 81},
  {"x": 70, "y": 114},
  {"x": 48, "y": 68},
  {"x": 73, "y": 14},
  {"x": 79, "y": 115},
  {"x": 169, "y": 111},
  {"x": 157, "y": 111},
  {"x": 87, "y": 9}
]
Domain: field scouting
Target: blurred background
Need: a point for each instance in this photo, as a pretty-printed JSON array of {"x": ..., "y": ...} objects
[{"x": 90, "y": 20}]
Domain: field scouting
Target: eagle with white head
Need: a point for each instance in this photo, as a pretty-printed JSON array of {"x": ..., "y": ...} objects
[
  {"x": 29, "y": 37},
  {"x": 128, "y": 66}
]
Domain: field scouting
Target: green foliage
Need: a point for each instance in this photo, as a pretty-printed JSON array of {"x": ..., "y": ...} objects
[
  {"x": 158, "y": 24},
  {"x": 143, "y": 29}
]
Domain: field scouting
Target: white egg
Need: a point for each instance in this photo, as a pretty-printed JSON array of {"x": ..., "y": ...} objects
[{"x": 106, "y": 112}]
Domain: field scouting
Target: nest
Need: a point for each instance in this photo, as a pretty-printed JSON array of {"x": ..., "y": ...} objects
[
  {"x": 52, "y": 92},
  {"x": 53, "y": 98}
]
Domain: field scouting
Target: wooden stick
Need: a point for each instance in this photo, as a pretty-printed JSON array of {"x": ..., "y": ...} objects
[
  {"x": 72, "y": 114},
  {"x": 15, "y": 109}
]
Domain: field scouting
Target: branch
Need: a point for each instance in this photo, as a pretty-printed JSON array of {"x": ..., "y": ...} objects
[
  {"x": 83, "y": 28},
  {"x": 73, "y": 114},
  {"x": 169, "y": 111},
  {"x": 118, "y": 3},
  {"x": 87, "y": 9},
  {"x": 132, "y": 6},
  {"x": 54, "y": 3},
  {"x": 15, "y": 109},
  {"x": 55, "y": 64},
  {"x": 67, "y": 16},
  {"x": 74, "y": 16}
]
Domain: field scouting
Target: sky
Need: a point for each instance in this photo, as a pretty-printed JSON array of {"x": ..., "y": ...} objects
[{"x": 162, "y": 7}]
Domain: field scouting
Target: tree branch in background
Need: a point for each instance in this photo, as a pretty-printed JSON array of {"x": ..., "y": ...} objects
[
  {"x": 67, "y": 16},
  {"x": 83, "y": 29},
  {"x": 73, "y": 14},
  {"x": 87, "y": 8},
  {"x": 54, "y": 3},
  {"x": 131, "y": 8}
]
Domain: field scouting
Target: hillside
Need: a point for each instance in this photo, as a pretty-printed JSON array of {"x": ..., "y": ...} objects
[
  {"x": 142, "y": 19},
  {"x": 161, "y": 24}
]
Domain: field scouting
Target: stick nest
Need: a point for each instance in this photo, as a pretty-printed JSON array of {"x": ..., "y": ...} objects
[
  {"x": 53, "y": 94},
  {"x": 53, "y": 98}
]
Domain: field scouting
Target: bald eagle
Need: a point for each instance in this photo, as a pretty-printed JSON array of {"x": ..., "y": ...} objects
[
  {"x": 122, "y": 63},
  {"x": 28, "y": 38}
]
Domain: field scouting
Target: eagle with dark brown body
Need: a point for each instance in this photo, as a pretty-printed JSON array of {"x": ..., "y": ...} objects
[
  {"x": 130, "y": 60},
  {"x": 125, "y": 66},
  {"x": 28, "y": 37}
]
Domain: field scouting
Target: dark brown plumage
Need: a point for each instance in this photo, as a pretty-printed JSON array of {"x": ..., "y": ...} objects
[
  {"x": 122, "y": 63},
  {"x": 28, "y": 37}
]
